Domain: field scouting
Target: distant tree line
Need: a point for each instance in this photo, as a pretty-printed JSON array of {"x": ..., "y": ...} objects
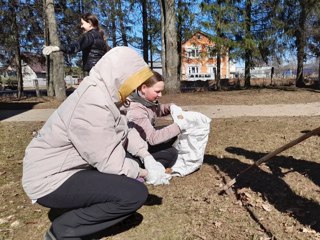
[{"x": 254, "y": 31}]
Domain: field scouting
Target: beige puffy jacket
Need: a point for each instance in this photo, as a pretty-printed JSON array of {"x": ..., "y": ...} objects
[{"x": 87, "y": 130}]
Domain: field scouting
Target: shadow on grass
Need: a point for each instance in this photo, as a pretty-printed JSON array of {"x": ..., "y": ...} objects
[
  {"x": 130, "y": 222},
  {"x": 306, "y": 168},
  {"x": 271, "y": 186},
  {"x": 134, "y": 220},
  {"x": 153, "y": 200},
  {"x": 16, "y": 105},
  {"x": 10, "y": 109}
]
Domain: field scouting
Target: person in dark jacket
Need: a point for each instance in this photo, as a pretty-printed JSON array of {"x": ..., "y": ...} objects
[{"x": 92, "y": 43}]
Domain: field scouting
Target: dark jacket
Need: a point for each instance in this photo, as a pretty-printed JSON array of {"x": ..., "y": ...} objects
[{"x": 91, "y": 44}]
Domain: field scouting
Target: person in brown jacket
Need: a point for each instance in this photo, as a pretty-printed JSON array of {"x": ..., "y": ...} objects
[{"x": 78, "y": 160}]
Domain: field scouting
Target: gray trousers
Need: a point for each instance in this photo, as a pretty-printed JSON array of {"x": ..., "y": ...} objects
[{"x": 93, "y": 201}]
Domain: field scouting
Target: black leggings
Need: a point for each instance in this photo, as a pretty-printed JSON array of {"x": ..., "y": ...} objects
[
  {"x": 94, "y": 202},
  {"x": 164, "y": 153}
]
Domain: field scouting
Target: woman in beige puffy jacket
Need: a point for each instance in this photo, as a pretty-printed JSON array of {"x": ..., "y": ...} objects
[{"x": 78, "y": 160}]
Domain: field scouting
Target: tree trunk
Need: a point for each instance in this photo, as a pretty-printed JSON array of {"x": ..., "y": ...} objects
[
  {"x": 319, "y": 73},
  {"x": 57, "y": 57},
  {"x": 179, "y": 38},
  {"x": 300, "y": 56},
  {"x": 247, "y": 66},
  {"x": 219, "y": 33},
  {"x": 50, "y": 89},
  {"x": 16, "y": 39},
  {"x": 18, "y": 57},
  {"x": 151, "y": 53},
  {"x": 151, "y": 48},
  {"x": 122, "y": 27},
  {"x": 248, "y": 51},
  {"x": 301, "y": 42},
  {"x": 113, "y": 24},
  {"x": 19, "y": 71},
  {"x": 163, "y": 55},
  {"x": 169, "y": 49},
  {"x": 218, "y": 75},
  {"x": 145, "y": 31}
]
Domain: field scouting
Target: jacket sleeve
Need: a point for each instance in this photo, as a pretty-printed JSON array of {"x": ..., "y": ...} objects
[
  {"x": 94, "y": 133},
  {"x": 86, "y": 40},
  {"x": 164, "y": 109},
  {"x": 139, "y": 120}
]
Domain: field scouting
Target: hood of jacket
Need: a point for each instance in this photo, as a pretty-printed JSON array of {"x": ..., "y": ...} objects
[{"x": 121, "y": 70}]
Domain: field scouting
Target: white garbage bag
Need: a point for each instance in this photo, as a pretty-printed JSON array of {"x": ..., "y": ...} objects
[{"x": 191, "y": 143}]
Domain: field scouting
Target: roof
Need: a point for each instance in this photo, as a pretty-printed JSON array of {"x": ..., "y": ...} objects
[
  {"x": 35, "y": 61},
  {"x": 197, "y": 32}
]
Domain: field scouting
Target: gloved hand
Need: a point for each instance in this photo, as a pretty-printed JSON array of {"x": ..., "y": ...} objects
[
  {"x": 178, "y": 118},
  {"x": 156, "y": 172},
  {"x": 175, "y": 109},
  {"x": 136, "y": 145},
  {"x": 182, "y": 123},
  {"x": 47, "y": 50}
]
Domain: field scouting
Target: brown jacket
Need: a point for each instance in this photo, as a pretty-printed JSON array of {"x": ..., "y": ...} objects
[{"x": 87, "y": 130}]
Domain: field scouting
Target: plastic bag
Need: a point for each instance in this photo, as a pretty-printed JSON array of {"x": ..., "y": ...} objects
[{"x": 191, "y": 144}]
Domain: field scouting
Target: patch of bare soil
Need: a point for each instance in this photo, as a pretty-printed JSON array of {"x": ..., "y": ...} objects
[
  {"x": 28, "y": 103},
  {"x": 278, "y": 200}
]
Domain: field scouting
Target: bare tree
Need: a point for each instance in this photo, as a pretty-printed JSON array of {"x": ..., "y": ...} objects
[
  {"x": 56, "y": 58},
  {"x": 169, "y": 51},
  {"x": 145, "y": 30}
]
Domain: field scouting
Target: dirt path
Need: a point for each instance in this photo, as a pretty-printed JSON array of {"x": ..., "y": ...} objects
[
  {"x": 277, "y": 110},
  {"x": 212, "y": 111}
]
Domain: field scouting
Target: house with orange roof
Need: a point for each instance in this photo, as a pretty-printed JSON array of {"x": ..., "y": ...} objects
[{"x": 198, "y": 61}]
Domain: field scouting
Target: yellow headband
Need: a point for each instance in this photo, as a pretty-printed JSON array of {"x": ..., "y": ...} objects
[{"x": 133, "y": 82}]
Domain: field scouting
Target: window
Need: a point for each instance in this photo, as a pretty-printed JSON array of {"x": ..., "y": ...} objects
[
  {"x": 211, "y": 53},
  {"x": 193, "y": 52},
  {"x": 193, "y": 69},
  {"x": 199, "y": 36},
  {"x": 212, "y": 71}
]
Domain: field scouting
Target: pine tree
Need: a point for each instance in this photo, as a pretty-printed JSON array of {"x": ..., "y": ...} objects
[
  {"x": 313, "y": 39},
  {"x": 186, "y": 25},
  {"x": 294, "y": 17},
  {"x": 259, "y": 39},
  {"x": 220, "y": 21}
]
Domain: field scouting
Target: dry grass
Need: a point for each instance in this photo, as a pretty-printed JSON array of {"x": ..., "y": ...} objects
[
  {"x": 237, "y": 97},
  {"x": 280, "y": 200}
]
